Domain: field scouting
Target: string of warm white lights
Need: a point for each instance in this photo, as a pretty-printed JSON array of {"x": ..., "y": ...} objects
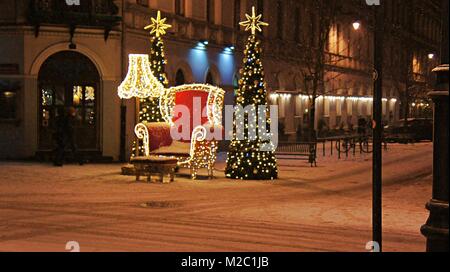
[
  {"x": 203, "y": 151},
  {"x": 245, "y": 159},
  {"x": 330, "y": 97},
  {"x": 214, "y": 104},
  {"x": 139, "y": 81},
  {"x": 149, "y": 111}
]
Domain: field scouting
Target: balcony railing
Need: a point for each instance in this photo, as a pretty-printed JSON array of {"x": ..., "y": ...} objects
[{"x": 93, "y": 13}]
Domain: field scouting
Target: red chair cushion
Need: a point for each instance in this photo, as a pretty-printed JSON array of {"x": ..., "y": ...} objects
[{"x": 159, "y": 135}]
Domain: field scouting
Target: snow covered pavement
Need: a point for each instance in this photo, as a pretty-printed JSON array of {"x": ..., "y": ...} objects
[{"x": 327, "y": 208}]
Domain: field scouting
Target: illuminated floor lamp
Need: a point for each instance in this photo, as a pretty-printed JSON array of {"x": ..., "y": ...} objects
[{"x": 140, "y": 81}]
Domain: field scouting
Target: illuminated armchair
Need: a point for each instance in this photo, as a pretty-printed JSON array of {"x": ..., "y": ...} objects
[{"x": 200, "y": 149}]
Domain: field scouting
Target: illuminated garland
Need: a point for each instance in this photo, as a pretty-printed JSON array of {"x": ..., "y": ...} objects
[
  {"x": 203, "y": 151},
  {"x": 139, "y": 81},
  {"x": 149, "y": 111},
  {"x": 214, "y": 104},
  {"x": 331, "y": 97},
  {"x": 245, "y": 160}
]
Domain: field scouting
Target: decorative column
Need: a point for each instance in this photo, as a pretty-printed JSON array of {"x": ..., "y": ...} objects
[{"x": 436, "y": 228}]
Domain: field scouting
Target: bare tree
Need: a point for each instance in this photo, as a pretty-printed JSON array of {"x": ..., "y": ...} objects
[{"x": 315, "y": 58}]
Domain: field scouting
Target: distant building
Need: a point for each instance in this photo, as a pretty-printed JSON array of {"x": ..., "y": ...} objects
[{"x": 53, "y": 55}]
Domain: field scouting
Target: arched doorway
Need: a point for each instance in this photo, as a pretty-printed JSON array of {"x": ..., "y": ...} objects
[{"x": 69, "y": 79}]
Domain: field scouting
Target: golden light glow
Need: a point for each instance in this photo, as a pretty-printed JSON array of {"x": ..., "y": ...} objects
[
  {"x": 203, "y": 152},
  {"x": 356, "y": 25},
  {"x": 139, "y": 81},
  {"x": 214, "y": 104},
  {"x": 253, "y": 22},
  {"x": 158, "y": 25}
]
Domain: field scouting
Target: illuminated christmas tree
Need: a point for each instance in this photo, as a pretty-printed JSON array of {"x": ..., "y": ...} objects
[
  {"x": 246, "y": 158},
  {"x": 149, "y": 110}
]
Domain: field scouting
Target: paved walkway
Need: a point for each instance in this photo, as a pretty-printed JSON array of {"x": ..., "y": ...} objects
[{"x": 326, "y": 208}]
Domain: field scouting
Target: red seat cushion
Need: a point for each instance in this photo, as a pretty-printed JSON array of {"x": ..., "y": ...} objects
[{"x": 159, "y": 135}]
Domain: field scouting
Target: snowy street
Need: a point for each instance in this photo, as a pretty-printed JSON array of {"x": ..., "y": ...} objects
[{"x": 327, "y": 208}]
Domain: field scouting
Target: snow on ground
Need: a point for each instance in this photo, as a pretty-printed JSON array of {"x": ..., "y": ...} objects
[{"x": 327, "y": 208}]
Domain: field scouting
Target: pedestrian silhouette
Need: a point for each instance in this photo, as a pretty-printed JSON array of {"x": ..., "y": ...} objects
[{"x": 65, "y": 136}]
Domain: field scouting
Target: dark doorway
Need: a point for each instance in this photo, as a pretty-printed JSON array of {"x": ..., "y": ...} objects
[{"x": 69, "y": 79}]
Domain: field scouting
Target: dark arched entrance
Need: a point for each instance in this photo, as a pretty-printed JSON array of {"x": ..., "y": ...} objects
[{"x": 69, "y": 79}]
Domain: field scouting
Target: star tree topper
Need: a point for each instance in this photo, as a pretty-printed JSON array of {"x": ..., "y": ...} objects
[
  {"x": 158, "y": 25},
  {"x": 253, "y": 22}
]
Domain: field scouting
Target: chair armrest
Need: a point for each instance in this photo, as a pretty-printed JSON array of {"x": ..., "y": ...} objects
[
  {"x": 198, "y": 135},
  {"x": 203, "y": 150},
  {"x": 141, "y": 132}
]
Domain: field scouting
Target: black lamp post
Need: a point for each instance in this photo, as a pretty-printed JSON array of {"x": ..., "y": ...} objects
[
  {"x": 436, "y": 228},
  {"x": 377, "y": 127},
  {"x": 377, "y": 161}
]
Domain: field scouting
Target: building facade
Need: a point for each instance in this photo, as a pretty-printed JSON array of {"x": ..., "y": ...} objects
[{"x": 54, "y": 54}]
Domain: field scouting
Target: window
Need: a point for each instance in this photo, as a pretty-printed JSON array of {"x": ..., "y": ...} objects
[
  {"x": 143, "y": 3},
  {"x": 297, "y": 24},
  {"x": 179, "y": 78},
  {"x": 349, "y": 107},
  {"x": 313, "y": 30},
  {"x": 338, "y": 39},
  {"x": 237, "y": 13},
  {"x": 179, "y": 7},
  {"x": 260, "y": 7},
  {"x": 7, "y": 104},
  {"x": 279, "y": 20},
  {"x": 339, "y": 107},
  {"x": 326, "y": 107},
  {"x": 210, "y": 10},
  {"x": 209, "y": 79}
]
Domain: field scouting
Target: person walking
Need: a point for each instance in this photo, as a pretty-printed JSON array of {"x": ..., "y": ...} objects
[
  {"x": 59, "y": 137},
  {"x": 65, "y": 136}
]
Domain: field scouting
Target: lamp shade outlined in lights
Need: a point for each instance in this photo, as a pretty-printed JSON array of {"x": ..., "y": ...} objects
[{"x": 140, "y": 81}]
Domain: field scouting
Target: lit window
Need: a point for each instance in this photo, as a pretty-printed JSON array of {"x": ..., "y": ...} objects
[
  {"x": 7, "y": 104},
  {"x": 8, "y": 96}
]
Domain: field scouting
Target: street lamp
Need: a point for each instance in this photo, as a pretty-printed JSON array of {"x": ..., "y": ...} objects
[
  {"x": 378, "y": 15},
  {"x": 377, "y": 160},
  {"x": 430, "y": 56}
]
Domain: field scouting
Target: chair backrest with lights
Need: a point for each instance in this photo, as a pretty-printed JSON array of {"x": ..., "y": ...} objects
[{"x": 204, "y": 102}]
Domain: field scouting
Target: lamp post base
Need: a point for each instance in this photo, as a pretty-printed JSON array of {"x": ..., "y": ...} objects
[{"x": 436, "y": 228}]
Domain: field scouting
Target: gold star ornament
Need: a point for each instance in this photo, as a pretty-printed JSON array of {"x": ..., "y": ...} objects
[
  {"x": 253, "y": 22},
  {"x": 158, "y": 25}
]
